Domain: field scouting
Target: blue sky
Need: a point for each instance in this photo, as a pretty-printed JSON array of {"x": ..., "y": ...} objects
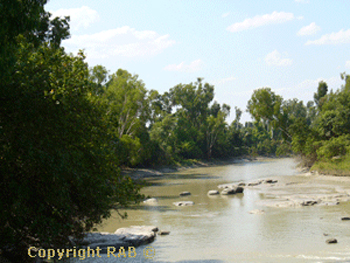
[{"x": 238, "y": 46}]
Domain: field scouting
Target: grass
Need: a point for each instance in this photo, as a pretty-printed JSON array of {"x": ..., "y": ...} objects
[{"x": 338, "y": 167}]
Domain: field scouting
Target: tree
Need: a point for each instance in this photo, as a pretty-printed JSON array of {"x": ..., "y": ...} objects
[
  {"x": 99, "y": 76},
  {"x": 58, "y": 173},
  {"x": 264, "y": 105},
  {"x": 320, "y": 94},
  {"x": 127, "y": 109}
]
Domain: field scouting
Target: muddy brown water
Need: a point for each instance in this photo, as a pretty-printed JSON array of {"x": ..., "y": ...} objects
[{"x": 221, "y": 229}]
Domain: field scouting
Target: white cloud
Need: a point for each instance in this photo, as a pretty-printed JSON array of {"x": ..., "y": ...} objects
[
  {"x": 309, "y": 87},
  {"x": 261, "y": 20},
  {"x": 225, "y": 15},
  {"x": 224, "y": 80},
  {"x": 81, "y": 17},
  {"x": 194, "y": 66},
  {"x": 347, "y": 64},
  {"x": 341, "y": 37},
  {"x": 275, "y": 59},
  {"x": 309, "y": 30},
  {"x": 122, "y": 41}
]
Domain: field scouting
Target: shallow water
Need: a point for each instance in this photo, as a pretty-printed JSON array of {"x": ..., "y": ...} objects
[{"x": 221, "y": 229}]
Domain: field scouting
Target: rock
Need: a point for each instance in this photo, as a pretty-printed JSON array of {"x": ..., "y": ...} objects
[
  {"x": 326, "y": 235},
  {"x": 163, "y": 233},
  {"x": 228, "y": 191},
  {"x": 345, "y": 218},
  {"x": 309, "y": 203},
  {"x": 331, "y": 241},
  {"x": 238, "y": 189},
  {"x": 241, "y": 184},
  {"x": 329, "y": 203},
  {"x": 270, "y": 181},
  {"x": 213, "y": 192},
  {"x": 184, "y": 203},
  {"x": 257, "y": 212},
  {"x": 254, "y": 183},
  {"x": 185, "y": 193},
  {"x": 126, "y": 237},
  {"x": 151, "y": 201}
]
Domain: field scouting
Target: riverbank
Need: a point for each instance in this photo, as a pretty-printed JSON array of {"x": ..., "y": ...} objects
[
  {"x": 337, "y": 166},
  {"x": 143, "y": 173}
]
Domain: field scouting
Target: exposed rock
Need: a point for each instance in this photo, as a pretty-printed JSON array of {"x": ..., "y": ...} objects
[
  {"x": 131, "y": 236},
  {"x": 151, "y": 201},
  {"x": 270, "y": 181},
  {"x": 228, "y": 191},
  {"x": 184, "y": 203},
  {"x": 254, "y": 183},
  {"x": 163, "y": 233},
  {"x": 185, "y": 193},
  {"x": 345, "y": 218},
  {"x": 213, "y": 192},
  {"x": 331, "y": 241},
  {"x": 257, "y": 212},
  {"x": 238, "y": 189},
  {"x": 309, "y": 202},
  {"x": 241, "y": 184}
]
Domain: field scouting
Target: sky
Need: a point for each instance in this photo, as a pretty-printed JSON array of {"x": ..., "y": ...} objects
[{"x": 237, "y": 46}]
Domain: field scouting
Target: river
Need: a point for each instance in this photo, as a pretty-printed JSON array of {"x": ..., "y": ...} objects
[{"x": 221, "y": 229}]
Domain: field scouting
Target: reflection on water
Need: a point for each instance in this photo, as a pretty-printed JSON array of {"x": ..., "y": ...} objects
[{"x": 221, "y": 229}]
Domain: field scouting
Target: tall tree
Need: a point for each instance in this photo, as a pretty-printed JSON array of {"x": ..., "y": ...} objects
[{"x": 319, "y": 96}]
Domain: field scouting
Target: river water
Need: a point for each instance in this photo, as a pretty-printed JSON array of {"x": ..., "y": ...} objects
[{"x": 221, "y": 229}]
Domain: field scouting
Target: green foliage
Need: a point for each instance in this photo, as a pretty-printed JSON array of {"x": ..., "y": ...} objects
[
  {"x": 336, "y": 146},
  {"x": 319, "y": 96},
  {"x": 58, "y": 171},
  {"x": 264, "y": 106}
]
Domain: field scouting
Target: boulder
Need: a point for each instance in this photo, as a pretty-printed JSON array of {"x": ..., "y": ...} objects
[
  {"x": 238, "y": 189},
  {"x": 184, "y": 203},
  {"x": 242, "y": 184},
  {"x": 331, "y": 241},
  {"x": 123, "y": 237},
  {"x": 185, "y": 193},
  {"x": 213, "y": 192},
  {"x": 308, "y": 202},
  {"x": 254, "y": 183},
  {"x": 163, "y": 233},
  {"x": 345, "y": 218},
  {"x": 270, "y": 181},
  {"x": 228, "y": 191},
  {"x": 150, "y": 201}
]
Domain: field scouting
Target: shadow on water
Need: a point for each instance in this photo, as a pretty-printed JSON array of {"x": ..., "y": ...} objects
[{"x": 150, "y": 207}]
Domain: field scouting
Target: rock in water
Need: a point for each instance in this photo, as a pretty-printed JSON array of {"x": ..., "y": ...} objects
[
  {"x": 228, "y": 191},
  {"x": 123, "y": 237},
  {"x": 345, "y": 218},
  {"x": 238, "y": 189},
  {"x": 163, "y": 233},
  {"x": 331, "y": 241},
  {"x": 270, "y": 181},
  {"x": 151, "y": 201},
  {"x": 184, "y": 203},
  {"x": 213, "y": 192},
  {"x": 185, "y": 193}
]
